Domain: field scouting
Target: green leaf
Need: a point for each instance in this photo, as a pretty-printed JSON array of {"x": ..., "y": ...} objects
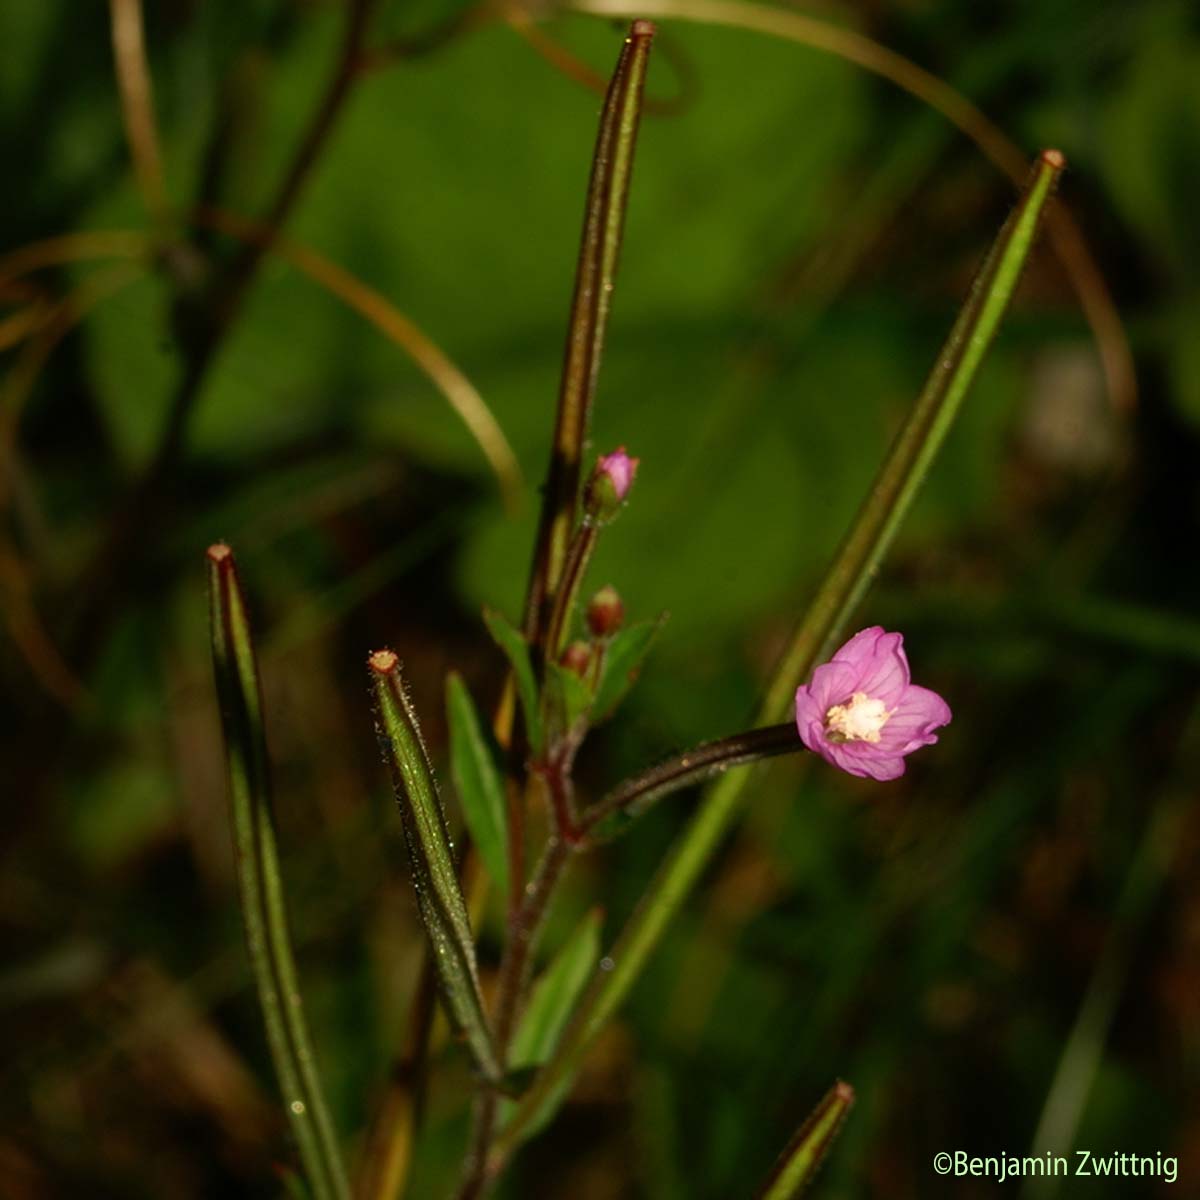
[
  {"x": 802, "y": 1157},
  {"x": 480, "y": 787},
  {"x": 856, "y": 563},
  {"x": 568, "y": 696},
  {"x": 260, "y": 886},
  {"x": 623, "y": 658},
  {"x": 435, "y": 879},
  {"x": 516, "y": 648},
  {"x": 550, "y": 1004},
  {"x": 555, "y": 993}
]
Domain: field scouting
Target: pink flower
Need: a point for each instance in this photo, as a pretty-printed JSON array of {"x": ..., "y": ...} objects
[{"x": 862, "y": 713}]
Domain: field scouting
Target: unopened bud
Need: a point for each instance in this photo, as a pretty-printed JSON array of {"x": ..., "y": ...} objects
[
  {"x": 605, "y": 612},
  {"x": 610, "y": 484},
  {"x": 576, "y": 658}
]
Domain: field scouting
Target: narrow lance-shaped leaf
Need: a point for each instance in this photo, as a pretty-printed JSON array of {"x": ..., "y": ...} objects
[
  {"x": 604, "y": 221},
  {"x": 549, "y": 1008},
  {"x": 802, "y": 1157},
  {"x": 556, "y": 991},
  {"x": 260, "y": 887},
  {"x": 435, "y": 880},
  {"x": 516, "y": 648},
  {"x": 889, "y": 499},
  {"x": 480, "y": 788},
  {"x": 568, "y": 698},
  {"x": 623, "y": 658},
  {"x": 916, "y": 445}
]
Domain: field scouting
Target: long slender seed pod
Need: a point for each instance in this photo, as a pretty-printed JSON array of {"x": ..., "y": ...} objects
[{"x": 439, "y": 898}]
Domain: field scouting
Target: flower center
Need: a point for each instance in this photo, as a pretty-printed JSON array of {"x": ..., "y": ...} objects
[{"x": 858, "y": 720}]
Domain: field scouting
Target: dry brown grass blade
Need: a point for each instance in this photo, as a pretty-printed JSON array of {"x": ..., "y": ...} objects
[
  {"x": 72, "y": 247},
  {"x": 521, "y": 22},
  {"x": 30, "y": 636},
  {"x": 66, "y": 314},
  {"x": 24, "y": 323},
  {"x": 137, "y": 105},
  {"x": 26, "y": 628},
  {"x": 374, "y": 307},
  {"x": 1065, "y": 236}
]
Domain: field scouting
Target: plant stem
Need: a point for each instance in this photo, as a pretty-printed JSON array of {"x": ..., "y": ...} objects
[
  {"x": 579, "y": 554},
  {"x": 523, "y": 930},
  {"x": 604, "y": 221},
  {"x": 636, "y": 794}
]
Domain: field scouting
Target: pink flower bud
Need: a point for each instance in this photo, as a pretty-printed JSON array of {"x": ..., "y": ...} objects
[
  {"x": 610, "y": 483},
  {"x": 605, "y": 612}
]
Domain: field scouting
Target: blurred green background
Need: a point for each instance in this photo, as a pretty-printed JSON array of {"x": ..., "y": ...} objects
[{"x": 800, "y": 234}]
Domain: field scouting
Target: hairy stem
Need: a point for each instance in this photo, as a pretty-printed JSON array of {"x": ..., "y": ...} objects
[
  {"x": 631, "y": 798},
  {"x": 579, "y": 554}
]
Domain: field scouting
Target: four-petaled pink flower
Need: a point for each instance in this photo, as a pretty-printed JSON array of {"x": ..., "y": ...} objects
[{"x": 862, "y": 713}]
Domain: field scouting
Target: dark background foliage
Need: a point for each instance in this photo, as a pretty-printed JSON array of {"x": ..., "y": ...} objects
[{"x": 800, "y": 234}]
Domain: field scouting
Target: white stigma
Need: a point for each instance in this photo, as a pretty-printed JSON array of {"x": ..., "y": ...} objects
[{"x": 858, "y": 720}]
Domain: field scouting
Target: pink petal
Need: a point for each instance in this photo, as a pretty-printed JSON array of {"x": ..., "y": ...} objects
[
  {"x": 809, "y": 718},
  {"x": 864, "y": 760},
  {"x": 833, "y": 683},
  {"x": 885, "y": 674},
  {"x": 812, "y": 734},
  {"x": 917, "y": 714},
  {"x": 860, "y": 647}
]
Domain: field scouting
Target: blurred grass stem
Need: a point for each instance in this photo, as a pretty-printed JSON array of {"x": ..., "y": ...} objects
[
  {"x": 73, "y": 247},
  {"x": 137, "y": 105},
  {"x": 399, "y": 329},
  {"x": 1075, "y": 1076}
]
